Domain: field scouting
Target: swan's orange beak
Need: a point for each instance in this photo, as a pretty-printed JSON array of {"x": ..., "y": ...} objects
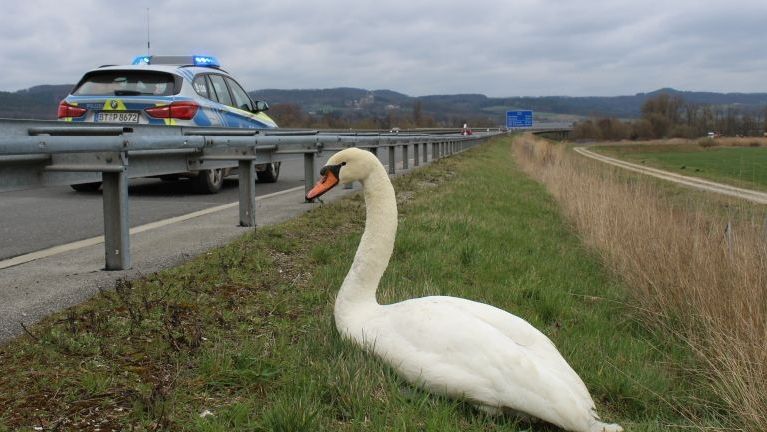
[{"x": 327, "y": 181}]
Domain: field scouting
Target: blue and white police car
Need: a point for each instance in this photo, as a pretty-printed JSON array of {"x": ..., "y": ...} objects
[{"x": 169, "y": 90}]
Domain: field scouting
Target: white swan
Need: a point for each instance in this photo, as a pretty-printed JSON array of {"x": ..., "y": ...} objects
[{"x": 448, "y": 345}]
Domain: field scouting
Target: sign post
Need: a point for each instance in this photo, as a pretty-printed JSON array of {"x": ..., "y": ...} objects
[{"x": 519, "y": 119}]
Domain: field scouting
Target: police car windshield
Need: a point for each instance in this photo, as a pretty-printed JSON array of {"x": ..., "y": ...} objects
[{"x": 126, "y": 83}]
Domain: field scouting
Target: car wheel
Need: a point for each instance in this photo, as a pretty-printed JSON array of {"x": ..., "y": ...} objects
[
  {"x": 270, "y": 173},
  {"x": 209, "y": 181},
  {"x": 86, "y": 187}
]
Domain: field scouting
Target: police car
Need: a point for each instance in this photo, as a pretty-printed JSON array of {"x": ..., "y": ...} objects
[{"x": 169, "y": 90}]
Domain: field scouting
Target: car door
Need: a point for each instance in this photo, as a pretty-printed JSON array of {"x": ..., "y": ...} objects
[
  {"x": 208, "y": 104},
  {"x": 236, "y": 104},
  {"x": 220, "y": 93},
  {"x": 245, "y": 109}
]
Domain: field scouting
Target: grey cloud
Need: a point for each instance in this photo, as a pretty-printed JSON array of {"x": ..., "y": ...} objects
[{"x": 496, "y": 47}]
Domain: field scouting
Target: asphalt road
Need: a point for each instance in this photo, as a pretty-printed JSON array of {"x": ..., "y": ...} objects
[{"x": 37, "y": 219}]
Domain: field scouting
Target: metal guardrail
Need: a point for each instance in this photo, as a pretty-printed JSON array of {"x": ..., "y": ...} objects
[{"x": 36, "y": 154}]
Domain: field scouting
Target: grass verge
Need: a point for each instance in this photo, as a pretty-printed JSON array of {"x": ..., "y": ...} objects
[{"x": 242, "y": 338}]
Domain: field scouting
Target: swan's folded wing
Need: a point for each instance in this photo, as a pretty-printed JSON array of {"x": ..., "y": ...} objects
[
  {"x": 522, "y": 333},
  {"x": 442, "y": 348}
]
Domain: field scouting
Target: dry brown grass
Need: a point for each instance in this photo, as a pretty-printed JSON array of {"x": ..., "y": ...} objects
[{"x": 690, "y": 279}]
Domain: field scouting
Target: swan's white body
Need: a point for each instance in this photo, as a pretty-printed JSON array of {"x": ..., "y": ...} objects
[{"x": 449, "y": 345}]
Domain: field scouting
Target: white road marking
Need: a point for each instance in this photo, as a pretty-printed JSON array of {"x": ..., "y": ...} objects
[{"x": 55, "y": 250}]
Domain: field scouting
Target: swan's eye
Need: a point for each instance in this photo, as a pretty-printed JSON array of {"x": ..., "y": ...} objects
[{"x": 343, "y": 163}]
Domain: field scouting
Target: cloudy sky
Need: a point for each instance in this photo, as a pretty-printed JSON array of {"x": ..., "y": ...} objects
[{"x": 418, "y": 47}]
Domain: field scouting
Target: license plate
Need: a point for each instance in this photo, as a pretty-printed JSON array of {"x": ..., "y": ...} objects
[{"x": 117, "y": 117}]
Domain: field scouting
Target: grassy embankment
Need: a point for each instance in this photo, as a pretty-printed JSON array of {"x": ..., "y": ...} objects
[
  {"x": 700, "y": 284},
  {"x": 242, "y": 338},
  {"x": 739, "y": 162}
]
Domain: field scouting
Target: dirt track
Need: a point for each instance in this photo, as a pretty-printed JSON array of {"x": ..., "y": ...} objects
[{"x": 746, "y": 194}]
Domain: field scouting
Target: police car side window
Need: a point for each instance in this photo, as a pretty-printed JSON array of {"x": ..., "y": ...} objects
[
  {"x": 200, "y": 85},
  {"x": 241, "y": 99},
  {"x": 219, "y": 85}
]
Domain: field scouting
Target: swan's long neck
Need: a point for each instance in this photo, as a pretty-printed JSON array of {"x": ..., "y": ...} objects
[{"x": 376, "y": 245}]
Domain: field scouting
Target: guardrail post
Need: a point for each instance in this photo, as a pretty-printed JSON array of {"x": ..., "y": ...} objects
[
  {"x": 391, "y": 160},
  {"x": 416, "y": 155},
  {"x": 247, "y": 181},
  {"x": 308, "y": 172},
  {"x": 434, "y": 151},
  {"x": 405, "y": 157},
  {"x": 116, "y": 225},
  {"x": 425, "y": 152}
]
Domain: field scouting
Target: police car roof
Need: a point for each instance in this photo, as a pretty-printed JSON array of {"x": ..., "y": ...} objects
[{"x": 187, "y": 60}]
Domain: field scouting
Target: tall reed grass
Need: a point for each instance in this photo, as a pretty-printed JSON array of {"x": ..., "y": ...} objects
[{"x": 693, "y": 278}]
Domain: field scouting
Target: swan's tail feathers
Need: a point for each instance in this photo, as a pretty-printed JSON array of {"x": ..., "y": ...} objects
[{"x": 605, "y": 427}]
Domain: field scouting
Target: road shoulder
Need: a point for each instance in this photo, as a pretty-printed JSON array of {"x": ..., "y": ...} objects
[{"x": 32, "y": 290}]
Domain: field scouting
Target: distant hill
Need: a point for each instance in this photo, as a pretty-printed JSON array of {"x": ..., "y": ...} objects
[
  {"x": 40, "y": 102},
  {"x": 377, "y": 102},
  {"x": 319, "y": 101}
]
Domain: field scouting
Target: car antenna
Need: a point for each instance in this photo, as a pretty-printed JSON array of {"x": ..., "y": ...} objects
[{"x": 148, "y": 51}]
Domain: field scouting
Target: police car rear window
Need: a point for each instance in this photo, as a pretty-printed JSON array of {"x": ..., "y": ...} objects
[{"x": 126, "y": 83}]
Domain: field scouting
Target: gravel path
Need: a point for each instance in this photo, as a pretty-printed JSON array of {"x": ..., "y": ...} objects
[{"x": 746, "y": 194}]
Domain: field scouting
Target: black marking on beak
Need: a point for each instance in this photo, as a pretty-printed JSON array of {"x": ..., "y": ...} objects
[{"x": 335, "y": 169}]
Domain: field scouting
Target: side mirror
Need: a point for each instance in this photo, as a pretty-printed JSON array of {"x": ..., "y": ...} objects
[{"x": 260, "y": 106}]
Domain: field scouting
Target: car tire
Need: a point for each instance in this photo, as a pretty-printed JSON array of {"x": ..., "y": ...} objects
[
  {"x": 86, "y": 187},
  {"x": 209, "y": 181},
  {"x": 270, "y": 173}
]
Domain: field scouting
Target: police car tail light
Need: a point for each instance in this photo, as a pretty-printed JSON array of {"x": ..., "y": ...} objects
[
  {"x": 69, "y": 110},
  {"x": 176, "y": 110}
]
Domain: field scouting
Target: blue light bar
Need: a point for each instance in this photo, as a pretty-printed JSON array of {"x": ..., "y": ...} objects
[
  {"x": 142, "y": 59},
  {"x": 209, "y": 61},
  {"x": 194, "y": 60}
]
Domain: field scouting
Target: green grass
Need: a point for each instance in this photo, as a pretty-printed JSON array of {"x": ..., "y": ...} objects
[
  {"x": 739, "y": 166},
  {"x": 246, "y": 331}
]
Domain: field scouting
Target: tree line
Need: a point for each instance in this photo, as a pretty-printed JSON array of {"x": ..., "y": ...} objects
[
  {"x": 670, "y": 116},
  {"x": 291, "y": 115}
]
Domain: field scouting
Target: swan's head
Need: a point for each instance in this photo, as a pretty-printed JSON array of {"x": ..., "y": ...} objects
[{"x": 344, "y": 167}]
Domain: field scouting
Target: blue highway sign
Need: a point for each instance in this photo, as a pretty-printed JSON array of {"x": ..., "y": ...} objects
[{"x": 519, "y": 119}]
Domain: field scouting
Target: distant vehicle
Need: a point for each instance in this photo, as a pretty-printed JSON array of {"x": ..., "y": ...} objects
[
  {"x": 466, "y": 130},
  {"x": 172, "y": 91}
]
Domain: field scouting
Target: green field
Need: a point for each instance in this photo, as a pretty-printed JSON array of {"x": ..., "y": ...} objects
[
  {"x": 243, "y": 338},
  {"x": 738, "y": 166}
]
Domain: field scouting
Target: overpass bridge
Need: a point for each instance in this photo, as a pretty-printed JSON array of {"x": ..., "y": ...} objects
[{"x": 552, "y": 130}]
